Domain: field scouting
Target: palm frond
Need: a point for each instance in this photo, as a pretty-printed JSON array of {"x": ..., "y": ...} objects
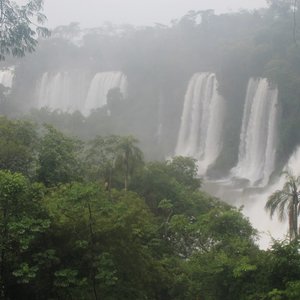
[
  {"x": 274, "y": 202},
  {"x": 286, "y": 202}
]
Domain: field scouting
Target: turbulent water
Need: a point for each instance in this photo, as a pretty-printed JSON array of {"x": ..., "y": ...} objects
[
  {"x": 6, "y": 77},
  {"x": 200, "y": 133},
  {"x": 76, "y": 90},
  {"x": 254, "y": 200},
  {"x": 254, "y": 205},
  {"x": 257, "y": 148}
]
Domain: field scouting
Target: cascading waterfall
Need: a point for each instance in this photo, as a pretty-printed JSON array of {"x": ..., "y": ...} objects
[
  {"x": 254, "y": 205},
  {"x": 200, "y": 134},
  {"x": 99, "y": 87},
  {"x": 62, "y": 90},
  {"x": 70, "y": 91},
  {"x": 6, "y": 77},
  {"x": 257, "y": 148}
]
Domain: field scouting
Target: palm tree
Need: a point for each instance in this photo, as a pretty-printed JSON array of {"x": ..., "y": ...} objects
[
  {"x": 286, "y": 203},
  {"x": 129, "y": 158},
  {"x": 101, "y": 156},
  {"x": 113, "y": 154}
]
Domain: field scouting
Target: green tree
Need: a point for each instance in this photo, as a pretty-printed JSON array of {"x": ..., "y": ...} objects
[
  {"x": 282, "y": 271},
  {"x": 223, "y": 255},
  {"x": 286, "y": 202},
  {"x": 112, "y": 159},
  {"x": 19, "y": 27},
  {"x": 129, "y": 158},
  {"x": 175, "y": 181},
  {"x": 184, "y": 170},
  {"x": 100, "y": 159},
  {"x": 58, "y": 158},
  {"x": 22, "y": 221},
  {"x": 18, "y": 146},
  {"x": 114, "y": 97},
  {"x": 113, "y": 236}
]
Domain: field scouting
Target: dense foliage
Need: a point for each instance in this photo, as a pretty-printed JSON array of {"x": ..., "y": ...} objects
[
  {"x": 94, "y": 221},
  {"x": 88, "y": 218}
]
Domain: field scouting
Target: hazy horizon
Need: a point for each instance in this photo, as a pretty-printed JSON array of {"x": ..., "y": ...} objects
[{"x": 93, "y": 13}]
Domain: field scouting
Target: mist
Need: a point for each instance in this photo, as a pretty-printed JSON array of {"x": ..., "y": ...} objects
[
  {"x": 155, "y": 146},
  {"x": 93, "y": 13}
]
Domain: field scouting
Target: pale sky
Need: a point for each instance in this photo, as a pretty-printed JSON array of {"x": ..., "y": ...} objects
[{"x": 93, "y": 13}]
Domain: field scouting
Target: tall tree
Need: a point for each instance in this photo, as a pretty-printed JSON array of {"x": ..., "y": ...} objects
[
  {"x": 286, "y": 202},
  {"x": 129, "y": 157},
  {"x": 22, "y": 221},
  {"x": 184, "y": 169},
  {"x": 18, "y": 141},
  {"x": 100, "y": 158},
  {"x": 20, "y": 26},
  {"x": 58, "y": 158}
]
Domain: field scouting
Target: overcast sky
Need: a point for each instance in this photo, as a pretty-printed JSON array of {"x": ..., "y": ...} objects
[{"x": 92, "y": 13}]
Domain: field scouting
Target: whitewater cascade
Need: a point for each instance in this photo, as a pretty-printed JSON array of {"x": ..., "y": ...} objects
[
  {"x": 7, "y": 77},
  {"x": 254, "y": 206},
  {"x": 99, "y": 87},
  {"x": 76, "y": 90},
  {"x": 257, "y": 148},
  {"x": 200, "y": 133}
]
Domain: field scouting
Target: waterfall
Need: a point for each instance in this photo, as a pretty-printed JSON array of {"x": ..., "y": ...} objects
[
  {"x": 62, "y": 90},
  {"x": 254, "y": 205},
  {"x": 6, "y": 77},
  {"x": 200, "y": 133},
  {"x": 99, "y": 87},
  {"x": 76, "y": 90},
  {"x": 257, "y": 148}
]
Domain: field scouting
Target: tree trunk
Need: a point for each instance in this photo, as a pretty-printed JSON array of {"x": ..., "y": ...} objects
[
  {"x": 295, "y": 213},
  {"x": 126, "y": 174},
  {"x": 93, "y": 250},
  {"x": 3, "y": 263},
  {"x": 291, "y": 223}
]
